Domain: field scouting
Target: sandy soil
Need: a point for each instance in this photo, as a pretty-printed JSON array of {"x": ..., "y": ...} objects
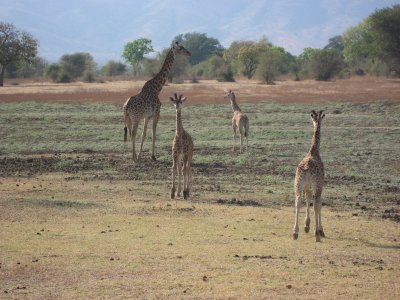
[{"x": 364, "y": 89}]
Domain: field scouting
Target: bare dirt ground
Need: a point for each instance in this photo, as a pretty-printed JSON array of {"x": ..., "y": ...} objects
[{"x": 365, "y": 89}]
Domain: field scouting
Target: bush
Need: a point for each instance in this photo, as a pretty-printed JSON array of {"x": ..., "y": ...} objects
[{"x": 325, "y": 63}]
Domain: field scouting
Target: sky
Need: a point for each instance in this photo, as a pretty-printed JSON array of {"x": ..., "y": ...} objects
[{"x": 103, "y": 27}]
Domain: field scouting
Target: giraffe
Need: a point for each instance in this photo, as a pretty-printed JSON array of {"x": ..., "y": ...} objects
[
  {"x": 146, "y": 105},
  {"x": 310, "y": 180},
  {"x": 239, "y": 121},
  {"x": 182, "y": 152}
]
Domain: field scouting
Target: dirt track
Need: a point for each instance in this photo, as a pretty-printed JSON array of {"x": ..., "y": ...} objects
[{"x": 308, "y": 91}]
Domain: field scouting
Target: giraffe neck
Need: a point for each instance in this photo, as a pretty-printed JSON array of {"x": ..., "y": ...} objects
[
  {"x": 162, "y": 76},
  {"x": 235, "y": 107},
  {"x": 179, "y": 127},
  {"x": 316, "y": 139},
  {"x": 157, "y": 82}
]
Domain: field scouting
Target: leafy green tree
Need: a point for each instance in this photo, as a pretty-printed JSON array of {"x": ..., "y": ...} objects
[
  {"x": 385, "y": 24},
  {"x": 75, "y": 65},
  {"x": 325, "y": 63},
  {"x": 113, "y": 68},
  {"x": 375, "y": 39},
  {"x": 248, "y": 58},
  {"x": 25, "y": 69},
  {"x": 53, "y": 71},
  {"x": 336, "y": 43},
  {"x": 271, "y": 64},
  {"x": 135, "y": 51},
  {"x": 200, "y": 46},
  {"x": 15, "y": 46}
]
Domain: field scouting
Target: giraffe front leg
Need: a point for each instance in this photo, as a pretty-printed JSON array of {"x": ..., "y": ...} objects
[
  {"x": 173, "y": 180},
  {"x": 155, "y": 122},
  {"x": 146, "y": 121},
  {"x": 321, "y": 230},
  {"x": 185, "y": 181},
  {"x": 234, "y": 137},
  {"x": 133, "y": 135},
  {"x": 296, "y": 221},
  {"x": 241, "y": 142}
]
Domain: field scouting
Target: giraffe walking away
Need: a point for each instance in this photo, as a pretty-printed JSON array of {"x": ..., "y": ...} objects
[
  {"x": 146, "y": 105},
  {"x": 182, "y": 153},
  {"x": 310, "y": 181},
  {"x": 239, "y": 122}
]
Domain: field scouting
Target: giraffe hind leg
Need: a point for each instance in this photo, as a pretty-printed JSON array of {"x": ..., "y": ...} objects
[{"x": 308, "y": 196}]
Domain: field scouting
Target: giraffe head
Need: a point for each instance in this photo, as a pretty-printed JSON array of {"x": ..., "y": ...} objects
[
  {"x": 231, "y": 96},
  {"x": 179, "y": 49},
  {"x": 317, "y": 117},
  {"x": 178, "y": 101}
]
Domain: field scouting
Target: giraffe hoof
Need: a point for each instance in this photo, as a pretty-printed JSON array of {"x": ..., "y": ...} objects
[
  {"x": 185, "y": 194},
  {"x": 153, "y": 157},
  {"x": 317, "y": 239},
  {"x": 172, "y": 193},
  {"x": 321, "y": 233},
  {"x": 307, "y": 229},
  {"x": 295, "y": 236}
]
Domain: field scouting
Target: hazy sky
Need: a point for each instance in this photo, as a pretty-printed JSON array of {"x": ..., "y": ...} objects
[{"x": 102, "y": 27}]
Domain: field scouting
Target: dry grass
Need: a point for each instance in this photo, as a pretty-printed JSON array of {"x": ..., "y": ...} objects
[
  {"x": 79, "y": 239},
  {"x": 80, "y": 222},
  {"x": 205, "y": 92}
]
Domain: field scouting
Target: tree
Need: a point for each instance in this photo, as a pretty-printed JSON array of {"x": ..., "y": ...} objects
[
  {"x": 113, "y": 68},
  {"x": 271, "y": 64},
  {"x": 200, "y": 46},
  {"x": 376, "y": 38},
  {"x": 135, "y": 51},
  {"x": 385, "y": 24},
  {"x": 15, "y": 46},
  {"x": 325, "y": 63},
  {"x": 72, "y": 66},
  {"x": 336, "y": 43},
  {"x": 248, "y": 58}
]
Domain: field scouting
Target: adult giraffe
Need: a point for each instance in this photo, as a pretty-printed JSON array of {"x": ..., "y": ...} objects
[{"x": 146, "y": 105}]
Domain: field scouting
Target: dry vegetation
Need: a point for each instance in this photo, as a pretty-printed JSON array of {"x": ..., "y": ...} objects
[{"x": 79, "y": 221}]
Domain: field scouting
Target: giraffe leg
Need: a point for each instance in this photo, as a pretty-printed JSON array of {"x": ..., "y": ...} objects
[
  {"x": 296, "y": 221},
  {"x": 317, "y": 225},
  {"x": 146, "y": 121},
  {"x": 234, "y": 136},
  {"x": 133, "y": 135},
  {"x": 308, "y": 199},
  {"x": 128, "y": 127},
  {"x": 174, "y": 171},
  {"x": 241, "y": 142},
  {"x": 185, "y": 180},
  {"x": 155, "y": 122},
  {"x": 318, "y": 195},
  {"x": 180, "y": 167}
]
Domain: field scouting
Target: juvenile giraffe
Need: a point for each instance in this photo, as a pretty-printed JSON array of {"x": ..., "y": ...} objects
[
  {"x": 182, "y": 152},
  {"x": 310, "y": 180},
  {"x": 146, "y": 105},
  {"x": 239, "y": 121}
]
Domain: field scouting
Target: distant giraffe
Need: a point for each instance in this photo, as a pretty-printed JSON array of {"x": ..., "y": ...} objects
[
  {"x": 182, "y": 153},
  {"x": 239, "y": 121},
  {"x": 310, "y": 180},
  {"x": 146, "y": 104}
]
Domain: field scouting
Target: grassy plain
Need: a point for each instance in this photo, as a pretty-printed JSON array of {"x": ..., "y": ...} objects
[{"x": 79, "y": 220}]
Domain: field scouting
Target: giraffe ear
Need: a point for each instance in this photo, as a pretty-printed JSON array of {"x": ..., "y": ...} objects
[
  {"x": 184, "y": 99},
  {"x": 172, "y": 99},
  {"x": 323, "y": 115}
]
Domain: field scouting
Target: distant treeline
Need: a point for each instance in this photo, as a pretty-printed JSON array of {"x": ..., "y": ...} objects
[{"x": 372, "y": 47}]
